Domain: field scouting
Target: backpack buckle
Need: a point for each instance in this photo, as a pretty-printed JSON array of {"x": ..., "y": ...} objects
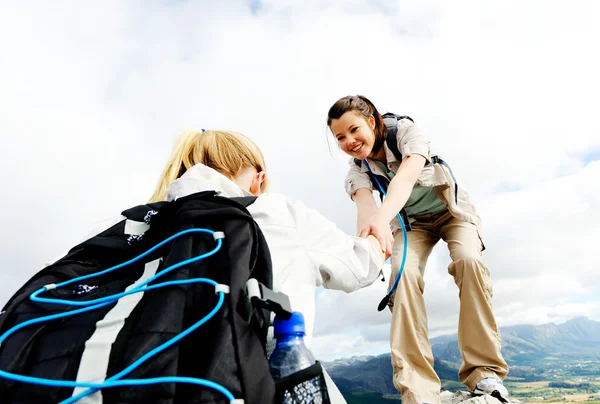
[{"x": 262, "y": 297}]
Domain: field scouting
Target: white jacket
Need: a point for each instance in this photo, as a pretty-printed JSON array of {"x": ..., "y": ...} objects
[{"x": 307, "y": 250}]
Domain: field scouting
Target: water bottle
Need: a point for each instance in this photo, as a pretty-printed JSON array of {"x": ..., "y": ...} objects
[{"x": 291, "y": 356}]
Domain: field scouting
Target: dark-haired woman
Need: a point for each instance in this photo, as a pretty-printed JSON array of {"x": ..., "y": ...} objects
[{"x": 434, "y": 206}]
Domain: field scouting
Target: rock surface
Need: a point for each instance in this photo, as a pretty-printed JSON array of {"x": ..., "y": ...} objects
[{"x": 464, "y": 397}]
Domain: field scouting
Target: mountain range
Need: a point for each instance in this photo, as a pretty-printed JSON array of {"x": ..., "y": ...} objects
[
  {"x": 526, "y": 348},
  {"x": 527, "y": 344}
]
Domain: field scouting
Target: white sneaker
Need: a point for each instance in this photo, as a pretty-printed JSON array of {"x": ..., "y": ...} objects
[{"x": 493, "y": 387}]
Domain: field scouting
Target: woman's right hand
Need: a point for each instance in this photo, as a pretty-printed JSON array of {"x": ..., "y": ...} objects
[{"x": 371, "y": 223}]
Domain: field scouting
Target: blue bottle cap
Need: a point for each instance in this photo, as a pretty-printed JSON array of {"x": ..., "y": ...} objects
[{"x": 295, "y": 325}]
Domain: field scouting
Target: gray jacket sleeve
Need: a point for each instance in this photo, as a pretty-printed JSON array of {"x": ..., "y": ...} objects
[
  {"x": 355, "y": 179},
  {"x": 412, "y": 140}
]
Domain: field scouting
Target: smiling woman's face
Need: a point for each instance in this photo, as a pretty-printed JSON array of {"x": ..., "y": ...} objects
[{"x": 354, "y": 134}]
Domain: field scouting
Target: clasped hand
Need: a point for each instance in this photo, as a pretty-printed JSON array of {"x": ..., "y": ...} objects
[{"x": 374, "y": 224}]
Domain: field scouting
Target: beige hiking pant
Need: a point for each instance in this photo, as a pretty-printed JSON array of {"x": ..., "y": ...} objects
[{"x": 478, "y": 337}]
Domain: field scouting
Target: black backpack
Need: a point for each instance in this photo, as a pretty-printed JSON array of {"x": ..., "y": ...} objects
[
  {"x": 391, "y": 123},
  {"x": 227, "y": 349}
]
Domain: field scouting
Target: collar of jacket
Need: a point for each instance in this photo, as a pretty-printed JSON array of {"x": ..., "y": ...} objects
[{"x": 201, "y": 178}]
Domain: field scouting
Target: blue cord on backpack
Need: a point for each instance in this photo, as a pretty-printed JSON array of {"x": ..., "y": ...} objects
[
  {"x": 384, "y": 302},
  {"x": 114, "y": 381}
]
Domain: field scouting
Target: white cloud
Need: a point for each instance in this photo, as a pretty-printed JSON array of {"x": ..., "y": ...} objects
[{"x": 93, "y": 96}]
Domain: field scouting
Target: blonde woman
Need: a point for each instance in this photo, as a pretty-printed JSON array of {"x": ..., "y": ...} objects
[{"x": 307, "y": 250}]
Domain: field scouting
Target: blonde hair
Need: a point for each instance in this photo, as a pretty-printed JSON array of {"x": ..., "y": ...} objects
[{"x": 224, "y": 151}]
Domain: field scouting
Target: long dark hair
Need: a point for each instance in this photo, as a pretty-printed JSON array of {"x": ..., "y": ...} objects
[{"x": 363, "y": 106}]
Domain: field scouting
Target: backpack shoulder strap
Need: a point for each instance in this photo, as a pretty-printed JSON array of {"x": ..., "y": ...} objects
[
  {"x": 245, "y": 200},
  {"x": 391, "y": 123},
  {"x": 398, "y": 117}
]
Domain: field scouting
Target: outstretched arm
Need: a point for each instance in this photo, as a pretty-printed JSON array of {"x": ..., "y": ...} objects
[
  {"x": 344, "y": 262},
  {"x": 367, "y": 211},
  {"x": 398, "y": 193},
  {"x": 358, "y": 186},
  {"x": 366, "y": 208},
  {"x": 401, "y": 187}
]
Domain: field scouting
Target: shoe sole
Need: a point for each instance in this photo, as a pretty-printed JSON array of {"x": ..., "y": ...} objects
[{"x": 496, "y": 394}]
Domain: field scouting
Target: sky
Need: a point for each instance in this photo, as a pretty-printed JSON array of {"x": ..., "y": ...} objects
[{"x": 93, "y": 94}]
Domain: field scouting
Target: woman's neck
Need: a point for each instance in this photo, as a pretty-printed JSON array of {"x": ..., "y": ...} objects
[{"x": 380, "y": 155}]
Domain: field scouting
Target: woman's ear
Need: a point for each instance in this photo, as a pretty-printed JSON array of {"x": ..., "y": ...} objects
[
  {"x": 372, "y": 122},
  {"x": 257, "y": 182}
]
